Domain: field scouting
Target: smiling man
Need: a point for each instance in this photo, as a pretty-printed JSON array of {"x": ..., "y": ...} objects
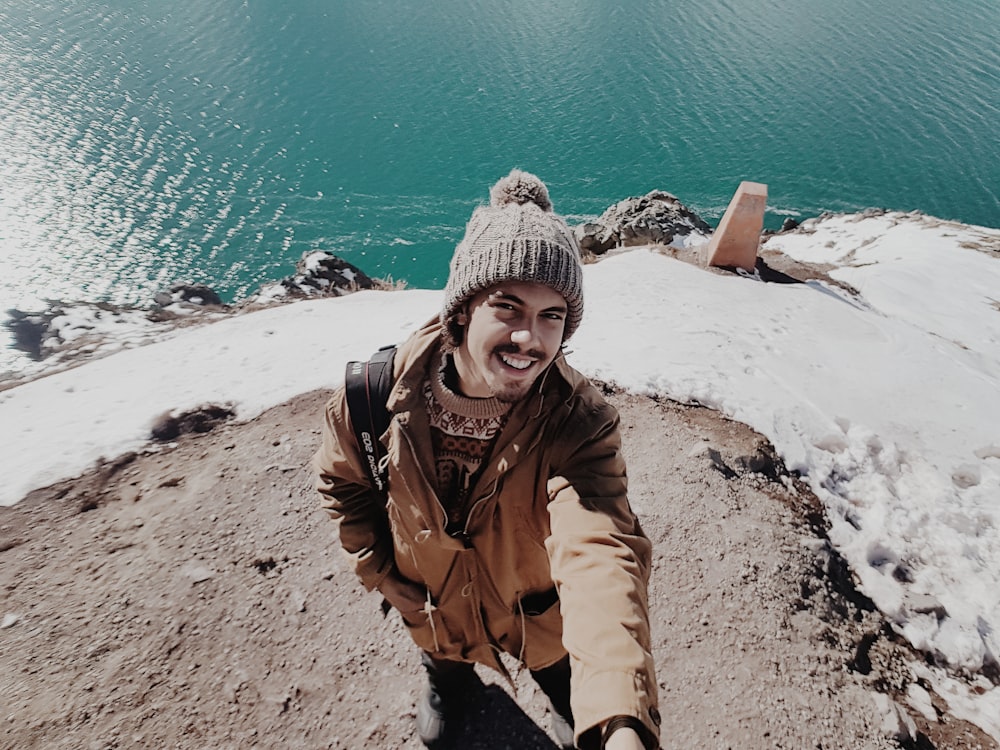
[
  {"x": 514, "y": 331},
  {"x": 507, "y": 527}
]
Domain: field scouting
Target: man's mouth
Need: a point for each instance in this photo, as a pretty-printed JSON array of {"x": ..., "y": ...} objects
[{"x": 518, "y": 363}]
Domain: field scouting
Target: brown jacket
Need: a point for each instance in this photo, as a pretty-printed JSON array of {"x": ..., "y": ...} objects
[{"x": 549, "y": 515}]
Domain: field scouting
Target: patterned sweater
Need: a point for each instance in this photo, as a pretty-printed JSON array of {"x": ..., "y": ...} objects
[{"x": 462, "y": 433}]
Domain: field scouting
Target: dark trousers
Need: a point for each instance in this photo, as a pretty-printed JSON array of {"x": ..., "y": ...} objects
[
  {"x": 452, "y": 677},
  {"x": 554, "y": 682}
]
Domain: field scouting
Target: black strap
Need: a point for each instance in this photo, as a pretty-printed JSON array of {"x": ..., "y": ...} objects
[
  {"x": 621, "y": 722},
  {"x": 367, "y": 385}
]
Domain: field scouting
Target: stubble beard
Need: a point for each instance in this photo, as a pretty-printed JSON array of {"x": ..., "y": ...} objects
[
  {"x": 512, "y": 394},
  {"x": 515, "y": 392}
]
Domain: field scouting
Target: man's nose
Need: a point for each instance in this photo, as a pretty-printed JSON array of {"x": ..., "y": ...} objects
[{"x": 523, "y": 336}]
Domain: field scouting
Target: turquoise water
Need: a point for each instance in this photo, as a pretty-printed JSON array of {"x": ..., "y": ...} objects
[{"x": 147, "y": 142}]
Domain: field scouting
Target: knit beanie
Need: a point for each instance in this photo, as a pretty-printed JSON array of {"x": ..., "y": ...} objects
[{"x": 517, "y": 237}]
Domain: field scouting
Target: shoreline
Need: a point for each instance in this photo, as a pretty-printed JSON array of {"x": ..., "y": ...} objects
[{"x": 65, "y": 332}]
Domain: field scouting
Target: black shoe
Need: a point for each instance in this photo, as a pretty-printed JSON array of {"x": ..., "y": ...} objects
[
  {"x": 442, "y": 701},
  {"x": 433, "y": 717}
]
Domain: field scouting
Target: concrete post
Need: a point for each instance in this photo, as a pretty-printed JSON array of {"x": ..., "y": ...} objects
[{"x": 737, "y": 238}]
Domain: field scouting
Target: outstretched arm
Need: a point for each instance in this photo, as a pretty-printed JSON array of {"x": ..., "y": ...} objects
[{"x": 600, "y": 562}]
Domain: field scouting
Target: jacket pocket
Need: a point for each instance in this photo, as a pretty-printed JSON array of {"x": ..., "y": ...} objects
[
  {"x": 539, "y": 603},
  {"x": 543, "y": 629}
]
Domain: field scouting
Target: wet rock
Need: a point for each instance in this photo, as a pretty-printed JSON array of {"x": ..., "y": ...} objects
[{"x": 656, "y": 218}]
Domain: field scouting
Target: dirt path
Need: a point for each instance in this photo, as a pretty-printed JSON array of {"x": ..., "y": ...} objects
[{"x": 194, "y": 597}]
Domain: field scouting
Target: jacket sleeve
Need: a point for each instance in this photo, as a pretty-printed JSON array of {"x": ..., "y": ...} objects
[
  {"x": 348, "y": 498},
  {"x": 600, "y": 560}
]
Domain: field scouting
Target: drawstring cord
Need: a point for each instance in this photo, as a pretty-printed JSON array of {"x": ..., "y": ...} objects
[
  {"x": 524, "y": 633},
  {"x": 428, "y": 610},
  {"x": 541, "y": 388}
]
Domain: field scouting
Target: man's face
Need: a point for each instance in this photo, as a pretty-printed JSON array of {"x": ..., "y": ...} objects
[{"x": 513, "y": 331}]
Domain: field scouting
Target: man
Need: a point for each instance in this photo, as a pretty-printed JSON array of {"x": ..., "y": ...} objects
[{"x": 507, "y": 527}]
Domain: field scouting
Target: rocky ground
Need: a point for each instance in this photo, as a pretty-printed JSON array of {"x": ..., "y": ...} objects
[{"x": 193, "y": 596}]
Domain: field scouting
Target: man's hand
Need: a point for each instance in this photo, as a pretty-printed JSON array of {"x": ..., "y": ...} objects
[{"x": 624, "y": 739}]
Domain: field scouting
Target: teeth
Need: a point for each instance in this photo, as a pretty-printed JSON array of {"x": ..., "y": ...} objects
[{"x": 518, "y": 364}]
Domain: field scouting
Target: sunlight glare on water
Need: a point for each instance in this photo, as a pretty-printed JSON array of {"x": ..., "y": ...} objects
[{"x": 146, "y": 143}]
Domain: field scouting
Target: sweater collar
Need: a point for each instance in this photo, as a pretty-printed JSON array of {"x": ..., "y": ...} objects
[{"x": 456, "y": 403}]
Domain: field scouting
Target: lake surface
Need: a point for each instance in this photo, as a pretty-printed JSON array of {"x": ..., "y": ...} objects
[{"x": 147, "y": 142}]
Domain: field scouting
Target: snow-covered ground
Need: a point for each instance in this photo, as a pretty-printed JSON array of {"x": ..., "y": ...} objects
[{"x": 888, "y": 402}]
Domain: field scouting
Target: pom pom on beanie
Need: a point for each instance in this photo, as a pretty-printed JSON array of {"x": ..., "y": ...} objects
[
  {"x": 517, "y": 237},
  {"x": 519, "y": 188}
]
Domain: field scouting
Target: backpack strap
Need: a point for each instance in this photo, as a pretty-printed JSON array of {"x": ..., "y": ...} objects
[{"x": 367, "y": 385}]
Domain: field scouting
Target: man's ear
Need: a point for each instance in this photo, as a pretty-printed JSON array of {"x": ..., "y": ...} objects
[{"x": 462, "y": 316}]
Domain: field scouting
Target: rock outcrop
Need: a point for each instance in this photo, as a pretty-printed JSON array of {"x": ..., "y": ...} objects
[
  {"x": 182, "y": 300},
  {"x": 190, "y": 294},
  {"x": 205, "y": 418},
  {"x": 317, "y": 274},
  {"x": 29, "y": 330},
  {"x": 70, "y": 331},
  {"x": 656, "y": 218}
]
